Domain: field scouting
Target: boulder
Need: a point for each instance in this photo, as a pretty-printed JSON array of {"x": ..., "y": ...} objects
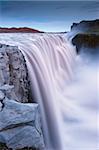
[{"x": 20, "y": 125}]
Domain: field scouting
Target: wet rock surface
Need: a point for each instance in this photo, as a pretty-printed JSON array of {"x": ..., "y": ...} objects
[
  {"x": 13, "y": 71},
  {"x": 20, "y": 124}
]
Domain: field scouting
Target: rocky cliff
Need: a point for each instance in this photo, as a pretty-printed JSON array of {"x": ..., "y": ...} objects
[
  {"x": 90, "y": 41},
  {"x": 86, "y": 35},
  {"x": 91, "y": 26},
  {"x": 20, "y": 124},
  {"x": 13, "y": 72}
]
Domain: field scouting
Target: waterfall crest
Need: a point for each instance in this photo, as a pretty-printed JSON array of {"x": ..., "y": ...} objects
[{"x": 49, "y": 59}]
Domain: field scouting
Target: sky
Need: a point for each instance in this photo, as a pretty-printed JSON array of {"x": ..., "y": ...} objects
[{"x": 49, "y": 16}]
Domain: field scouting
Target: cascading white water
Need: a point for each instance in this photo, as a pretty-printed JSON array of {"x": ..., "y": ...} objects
[{"x": 57, "y": 88}]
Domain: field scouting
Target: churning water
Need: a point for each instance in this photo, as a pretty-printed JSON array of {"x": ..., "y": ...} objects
[{"x": 65, "y": 86}]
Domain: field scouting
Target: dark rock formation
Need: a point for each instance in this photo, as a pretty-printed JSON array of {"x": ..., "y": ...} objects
[
  {"x": 19, "y": 30},
  {"x": 20, "y": 124},
  {"x": 86, "y": 26},
  {"x": 4, "y": 147},
  {"x": 13, "y": 72},
  {"x": 86, "y": 36},
  {"x": 90, "y": 41}
]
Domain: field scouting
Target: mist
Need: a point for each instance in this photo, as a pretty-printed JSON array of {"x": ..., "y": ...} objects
[{"x": 82, "y": 102}]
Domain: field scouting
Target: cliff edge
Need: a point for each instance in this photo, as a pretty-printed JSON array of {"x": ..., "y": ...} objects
[
  {"x": 91, "y": 26},
  {"x": 86, "y": 35}
]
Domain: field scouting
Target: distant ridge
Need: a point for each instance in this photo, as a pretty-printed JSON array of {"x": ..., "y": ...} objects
[{"x": 19, "y": 30}]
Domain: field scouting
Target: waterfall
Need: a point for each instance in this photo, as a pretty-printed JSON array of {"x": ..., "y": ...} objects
[{"x": 51, "y": 60}]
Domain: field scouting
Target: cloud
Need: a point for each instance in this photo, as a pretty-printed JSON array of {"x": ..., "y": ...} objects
[
  {"x": 92, "y": 6},
  {"x": 61, "y": 7}
]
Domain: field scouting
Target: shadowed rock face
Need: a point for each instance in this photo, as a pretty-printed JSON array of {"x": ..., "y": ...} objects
[
  {"x": 90, "y": 41},
  {"x": 86, "y": 36},
  {"x": 4, "y": 147},
  {"x": 13, "y": 73}
]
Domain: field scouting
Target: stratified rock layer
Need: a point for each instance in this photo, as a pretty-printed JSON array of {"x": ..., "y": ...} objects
[{"x": 13, "y": 72}]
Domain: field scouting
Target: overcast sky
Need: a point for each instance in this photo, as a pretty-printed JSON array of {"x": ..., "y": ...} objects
[{"x": 46, "y": 15}]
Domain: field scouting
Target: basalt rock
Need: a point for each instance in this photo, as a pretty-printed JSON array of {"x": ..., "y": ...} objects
[
  {"x": 13, "y": 72},
  {"x": 90, "y": 41}
]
